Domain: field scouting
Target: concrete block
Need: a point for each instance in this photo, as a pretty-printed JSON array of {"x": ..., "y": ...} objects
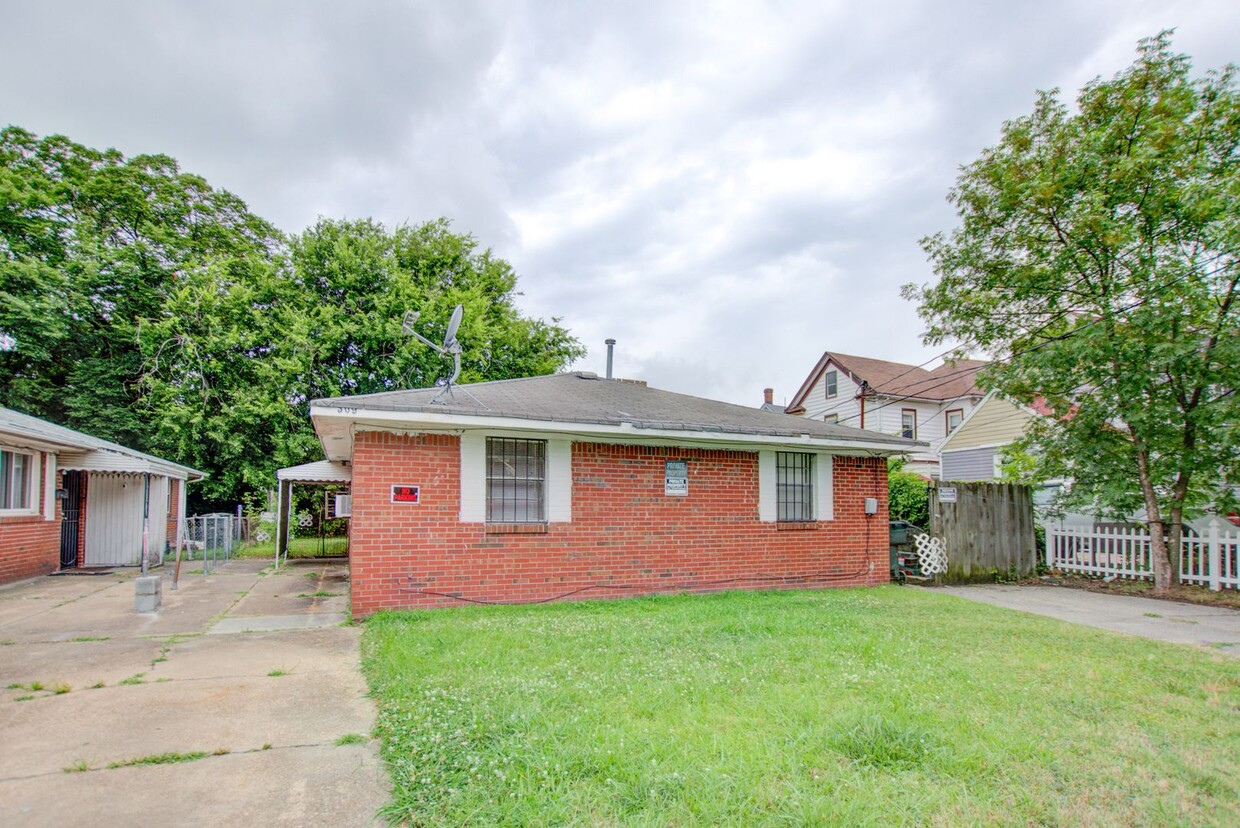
[{"x": 147, "y": 593}]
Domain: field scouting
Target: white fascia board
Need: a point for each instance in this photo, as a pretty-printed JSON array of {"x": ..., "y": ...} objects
[{"x": 336, "y": 426}]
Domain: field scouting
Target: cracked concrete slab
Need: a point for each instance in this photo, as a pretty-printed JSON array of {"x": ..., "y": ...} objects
[{"x": 277, "y": 702}]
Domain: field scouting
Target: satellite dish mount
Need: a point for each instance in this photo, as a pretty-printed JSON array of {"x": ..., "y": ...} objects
[{"x": 451, "y": 347}]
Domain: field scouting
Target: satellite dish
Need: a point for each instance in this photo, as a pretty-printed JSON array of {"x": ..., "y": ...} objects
[
  {"x": 451, "y": 347},
  {"x": 449, "y": 338}
]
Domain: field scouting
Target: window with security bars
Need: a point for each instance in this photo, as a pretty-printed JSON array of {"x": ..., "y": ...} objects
[
  {"x": 794, "y": 486},
  {"x": 516, "y": 480}
]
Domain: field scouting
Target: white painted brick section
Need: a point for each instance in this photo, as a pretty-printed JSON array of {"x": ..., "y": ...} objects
[
  {"x": 559, "y": 481},
  {"x": 824, "y": 487},
  {"x": 473, "y": 477}
]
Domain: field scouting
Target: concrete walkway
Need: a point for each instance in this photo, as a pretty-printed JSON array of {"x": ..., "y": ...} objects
[
  {"x": 1216, "y": 627},
  {"x": 253, "y": 670}
]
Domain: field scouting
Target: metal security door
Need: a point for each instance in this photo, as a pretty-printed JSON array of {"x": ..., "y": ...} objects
[{"x": 71, "y": 512}]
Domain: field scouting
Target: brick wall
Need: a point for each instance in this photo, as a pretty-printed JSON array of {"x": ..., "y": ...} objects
[
  {"x": 30, "y": 545},
  {"x": 624, "y": 532}
]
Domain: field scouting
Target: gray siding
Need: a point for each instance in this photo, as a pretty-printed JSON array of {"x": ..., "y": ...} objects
[{"x": 970, "y": 464}]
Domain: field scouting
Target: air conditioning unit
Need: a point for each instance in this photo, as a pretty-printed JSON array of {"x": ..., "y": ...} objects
[{"x": 344, "y": 505}]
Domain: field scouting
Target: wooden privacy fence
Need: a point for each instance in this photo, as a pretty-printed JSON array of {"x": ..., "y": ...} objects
[
  {"x": 1211, "y": 559},
  {"x": 988, "y": 529}
]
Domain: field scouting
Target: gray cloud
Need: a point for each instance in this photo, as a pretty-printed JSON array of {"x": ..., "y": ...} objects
[{"x": 728, "y": 189}]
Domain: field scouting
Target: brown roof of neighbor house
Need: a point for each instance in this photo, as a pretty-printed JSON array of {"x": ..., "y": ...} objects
[
  {"x": 582, "y": 397},
  {"x": 948, "y": 381}
]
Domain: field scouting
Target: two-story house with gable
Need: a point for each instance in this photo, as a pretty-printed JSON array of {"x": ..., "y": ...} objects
[{"x": 891, "y": 398}]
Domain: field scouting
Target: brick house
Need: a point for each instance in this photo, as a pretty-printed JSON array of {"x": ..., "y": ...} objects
[
  {"x": 69, "y": 500},
  {"x": 575, "y": 486}
]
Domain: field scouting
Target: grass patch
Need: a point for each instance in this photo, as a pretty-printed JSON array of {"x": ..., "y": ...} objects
[
  {"x": 7, "y": 642},
  {"x": 82, "y": 639},
  {"x": 22, "y": 698},
  {"x": 351, "y": 739},
  {"x": 35, "y": 686},
  {"x": 277, "y": 673},
  {"x": 136, "y": 678},
  {"x": 61, "y": 688},
  {"x": 297, "y": 548},
  {"x": 80, "y": 766},
  {"x": 99, "y": 685},
  {"x": 881, "y": 706},
  {"x": 322, "y": 593},
  {"x": 161, "y": 759}
]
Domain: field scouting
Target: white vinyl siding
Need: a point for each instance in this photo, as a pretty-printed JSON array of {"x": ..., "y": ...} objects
[{"x": 970, "y": 464}]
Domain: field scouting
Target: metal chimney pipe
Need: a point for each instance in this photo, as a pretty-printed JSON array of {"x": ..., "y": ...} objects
[{"x": 611, "y": 349}]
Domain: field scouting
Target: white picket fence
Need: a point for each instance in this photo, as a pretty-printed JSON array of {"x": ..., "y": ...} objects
[{"x": 1210, "y": 559}]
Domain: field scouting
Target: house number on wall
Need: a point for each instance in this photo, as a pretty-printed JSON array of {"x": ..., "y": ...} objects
[
  {"x": 406, "y": 494},
  {"x": 676, "y": 478}
]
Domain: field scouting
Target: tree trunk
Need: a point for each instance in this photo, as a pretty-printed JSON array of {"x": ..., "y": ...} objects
[
  {"x": 1159, "y": 557},
  {"x": 1175, "y": 548}
]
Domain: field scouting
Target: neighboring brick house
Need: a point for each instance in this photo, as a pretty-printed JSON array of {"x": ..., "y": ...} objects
[
  {"x": 69, "y": 500},
  {"x": 576, "y": 486},
  {"x": 891, "y": 398}
]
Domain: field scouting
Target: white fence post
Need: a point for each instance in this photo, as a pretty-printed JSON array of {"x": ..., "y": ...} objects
[{"x": 1216, "y": 558}]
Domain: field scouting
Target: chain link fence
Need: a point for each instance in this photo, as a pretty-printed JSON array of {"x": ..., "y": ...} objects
[{"x": 211, "y": 539}]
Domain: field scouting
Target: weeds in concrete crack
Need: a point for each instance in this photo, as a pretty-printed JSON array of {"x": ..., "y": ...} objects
[
  {"x": 136, "y": 678},
  {"x": 351, "y": 739},
  {"x": 82, "y": 639},
  {"x": 23, "y": 698},
  {"x": 80, "y": 766}
]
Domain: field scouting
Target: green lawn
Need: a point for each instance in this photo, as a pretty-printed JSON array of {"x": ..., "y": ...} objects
[
  {"x": 888, "y": 706},
  {"x": 297, "y": 548}
]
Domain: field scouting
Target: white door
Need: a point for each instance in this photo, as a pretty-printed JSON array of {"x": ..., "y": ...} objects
[{"x": 159, "y": 519}]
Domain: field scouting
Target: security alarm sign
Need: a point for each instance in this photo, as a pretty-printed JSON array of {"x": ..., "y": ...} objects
[
  {"x": 406, "y": 494},
  {"x": 676, "y": 478}
]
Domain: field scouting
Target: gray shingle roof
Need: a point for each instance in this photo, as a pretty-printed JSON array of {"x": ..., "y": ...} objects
[
  {"x": 580, "y": 397},
  {"x": 23, "y": 425}
]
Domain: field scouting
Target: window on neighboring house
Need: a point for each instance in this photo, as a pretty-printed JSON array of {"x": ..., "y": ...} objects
[
  {"x": 794, "y": 486},
  {"x": 954, "y": 418},
  {"x": 15, "y": 480},
  {"x": 831, "y": 418},
  {"x": 831, "y": 381},
  {"x": 516, "y": 480},
  {"x": 908, "y": 423}
]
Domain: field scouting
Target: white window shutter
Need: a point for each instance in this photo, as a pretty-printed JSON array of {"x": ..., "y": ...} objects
[
  {"x": 559, "y": 481},
  {"x": 473, "y": 478},
  {"x": 768, "y": 504},
  {"x": 824, "y": 487}
]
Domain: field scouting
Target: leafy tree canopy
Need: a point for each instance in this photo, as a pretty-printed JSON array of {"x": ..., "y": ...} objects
[
  {"x": 150, "y": 309},
  {"x": 1096, "y": 260}
]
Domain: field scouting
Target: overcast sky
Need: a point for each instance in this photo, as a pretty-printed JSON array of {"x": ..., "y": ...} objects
[{"x": 727, "y": 189}]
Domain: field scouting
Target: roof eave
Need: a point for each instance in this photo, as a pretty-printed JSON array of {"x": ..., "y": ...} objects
[{"x": 336, "y": 428}]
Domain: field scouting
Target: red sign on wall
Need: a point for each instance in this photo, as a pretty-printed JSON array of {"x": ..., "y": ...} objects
[{"x": 405, "y": 494}]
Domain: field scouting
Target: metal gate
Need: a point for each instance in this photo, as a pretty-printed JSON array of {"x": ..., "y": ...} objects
[{"x": 71, "y": 515}]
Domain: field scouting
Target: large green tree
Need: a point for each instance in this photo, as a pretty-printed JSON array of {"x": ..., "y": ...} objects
[
  {"x": 1096, "y": 260},
  {"x": 243, "y": 349},
  {"x": 151, "y": 309},
  {"x": 91, "y": 244}
]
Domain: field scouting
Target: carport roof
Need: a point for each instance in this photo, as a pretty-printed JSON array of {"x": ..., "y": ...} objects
[{"x": 321, "y": 471}]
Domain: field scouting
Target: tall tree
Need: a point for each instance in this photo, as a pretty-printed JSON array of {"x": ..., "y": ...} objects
[
  {"x": 91, "y": 243},
  {"x": 233, "y": 365},
  {"x": 1096, "y": 259}
]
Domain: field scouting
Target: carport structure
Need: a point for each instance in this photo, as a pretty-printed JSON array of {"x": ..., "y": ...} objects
[{"x": 319, "y": 473}]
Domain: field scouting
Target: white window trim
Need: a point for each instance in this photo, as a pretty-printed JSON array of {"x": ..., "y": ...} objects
[
  {"x": 36, "y": 483},
  {"x": 557, "y": 485},
  {"x": 768, "y": 485}
]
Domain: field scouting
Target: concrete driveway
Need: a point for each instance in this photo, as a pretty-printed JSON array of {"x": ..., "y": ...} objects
[
  {"x": 1216, "y": 627},
  {"x": 239, "y": 702}
]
